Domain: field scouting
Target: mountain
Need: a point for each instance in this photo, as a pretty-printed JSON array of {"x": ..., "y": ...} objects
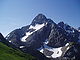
[
  {"x": 8, "y": 53},
  {"x": 43, "y": 37}
]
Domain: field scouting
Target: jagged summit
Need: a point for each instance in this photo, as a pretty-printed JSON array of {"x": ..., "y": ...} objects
[{"x": 39, "y": 19}]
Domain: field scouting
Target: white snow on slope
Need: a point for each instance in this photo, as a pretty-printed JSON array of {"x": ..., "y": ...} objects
[
  {"x": 67, "y": 44},
  {"x": 68, "y": 48},
  {"x": 45, "y": 44},
  {"x": 57, "y": 52},
  {"x": 21, "y": 47},
  {"x": 23, "y": 39},
  {"x": 41, "y": 50},
  {"x": 79, "y": 30},
  {"x": 9, "y": 41},
  {"x": 73, "y": 31},
  {"x": 36, "y": 27},
  {"x": 46, "y": 41}
]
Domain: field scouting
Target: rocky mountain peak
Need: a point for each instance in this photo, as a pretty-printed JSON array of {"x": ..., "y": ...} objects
[
  {"x": 44, "y": 35},
  {"x": 39, "y": 19}
]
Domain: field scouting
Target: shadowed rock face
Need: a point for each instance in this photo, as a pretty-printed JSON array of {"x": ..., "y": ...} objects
[
  {"x": 1, "y": 37},
  {"x": 39, "y": 19},
  {"x": 34, "y": 35},
  {"x": 4, "y": 41}
]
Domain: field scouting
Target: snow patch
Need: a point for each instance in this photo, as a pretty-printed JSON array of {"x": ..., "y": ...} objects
[
  {"x": 48, "y": 56},
  {"x": 79, "y": 30},
  {"x": 23, "y": 39},
  {"x": 9, "y": 41},
  {"x": 21, "y": 47},
  {"x": 57, "y": 52},
  {"x": 8, "y": 35},
  {"x": 36, "y": 27},
  {"x": 68, "y": 48},
  {"x": 73, "y": 31},
  {"x": 67, "y": 44},
  {"x": 41, "y": 50},
  {"x": 46, "y": 41}
]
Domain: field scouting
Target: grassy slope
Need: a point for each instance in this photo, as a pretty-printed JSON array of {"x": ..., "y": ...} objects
[{"x": 7, "y": 53}]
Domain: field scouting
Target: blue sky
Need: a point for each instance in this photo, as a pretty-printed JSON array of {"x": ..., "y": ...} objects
[{"x": 17, "y": 13}]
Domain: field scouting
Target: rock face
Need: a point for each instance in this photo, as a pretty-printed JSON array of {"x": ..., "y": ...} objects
[
  {"x": 55, "y": 41},
  {"x": 3, "y": 40}
]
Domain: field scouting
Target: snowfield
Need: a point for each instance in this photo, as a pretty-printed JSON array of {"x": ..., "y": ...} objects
[
  {"x": 57, "y": 52},
  {"x": 36, "y": 27}
]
